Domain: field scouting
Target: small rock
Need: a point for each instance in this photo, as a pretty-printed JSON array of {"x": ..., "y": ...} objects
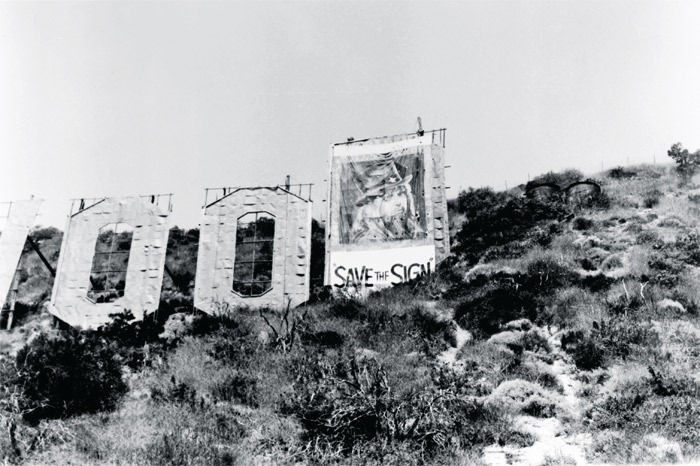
[
  {"x": 612, "y": 262},
  {"x": 520, "y": 324},
  {"x": 177, "y": 326},
  {"x": 263, "y": 337},
  {"x": 507, "y": 338},
  {"x": 669, "y": 304}
]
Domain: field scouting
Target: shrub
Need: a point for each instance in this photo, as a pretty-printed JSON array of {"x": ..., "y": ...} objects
[
  {"x": 587, "y": 352},
  {"x": 474, "y": 201},
  {"x": 351, "y": 404},
  {"x": 545, "y": 275},
  {"x": 491, "y": 301},
  {"x": 533, "y": 340},
  {"x": 588, "y": 264},
  {"x": 499, "y": 303},
  {"x": 133, "y": 340},
  {"x": 348, "y": 308},
  {"x": 619, "y": 337},
  {"x": 73, "y": 374},
  {"x": 652, "y": 198},
  {"x": 176, "y": 392},
  {"x": 660, "y": 404},
  {"x": 521, "y": 396},
  {"x": 623, "y": 336},
  {"x": 572, "y": 305},
  {"x": 181, "y": 260},
  {"x": 562, "y": 179},
  {"x": 241, "y": 387},
  {"x": 582, "y": 223},
  {"x": 507, "y": 225},
  {"x": 620, "y": 173},
  {"x": 688, "y": 245},
  {"x": 665, "y": 271},
  {"x": 648, "y": 237},
  {"x": 388, "y": 321},
  {"x": 687, "y": 162}
]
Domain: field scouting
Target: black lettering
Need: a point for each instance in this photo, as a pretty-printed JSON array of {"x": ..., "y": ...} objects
[
  {"x": 350, "y": 281},
  {"x": 337, "y": 274},
  {"x": 396, "y": 274}
]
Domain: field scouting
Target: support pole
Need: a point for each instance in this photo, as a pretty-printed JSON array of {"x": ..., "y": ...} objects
[
  {"x": 41, "y": 256},
  {"x": 13, "y": 300}
]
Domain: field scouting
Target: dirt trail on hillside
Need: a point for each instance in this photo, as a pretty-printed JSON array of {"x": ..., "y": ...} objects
[
  {"x": 449, "y": 356},
  {"x": 552, "y": 444}
]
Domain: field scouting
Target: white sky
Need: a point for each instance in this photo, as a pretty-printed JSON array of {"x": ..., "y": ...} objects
[{"x": 126, "y": 98}]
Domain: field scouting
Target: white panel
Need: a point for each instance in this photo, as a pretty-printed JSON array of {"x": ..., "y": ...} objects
[
  {"x": 14, "y": 230},
  {"x": 217, "y": 245},
  {"x": 144, "y": 276},
  {"x": 378, "y": 269}
]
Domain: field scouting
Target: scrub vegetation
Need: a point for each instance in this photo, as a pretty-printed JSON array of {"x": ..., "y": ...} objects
[{"x": 558, "y": 332}]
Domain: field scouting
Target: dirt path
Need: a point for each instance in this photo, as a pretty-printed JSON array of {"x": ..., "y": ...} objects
[
  {"x": 552, "y": 444},
  {"x": 449, "y": 356}
]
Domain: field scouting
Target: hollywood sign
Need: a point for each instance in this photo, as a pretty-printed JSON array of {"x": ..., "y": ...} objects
[{"x": 387, "y": 224}]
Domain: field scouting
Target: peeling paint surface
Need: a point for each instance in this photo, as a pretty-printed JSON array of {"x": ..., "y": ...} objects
[
  {"x": 15, "y": 224},
  {"x": 217, "y": 250},
  {"x": 144, "y": 276}
]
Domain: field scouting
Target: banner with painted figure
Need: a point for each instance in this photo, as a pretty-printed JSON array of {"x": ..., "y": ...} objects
[
  {"x": 382, "y": 199},
  {"x": 379, "y": 214}
]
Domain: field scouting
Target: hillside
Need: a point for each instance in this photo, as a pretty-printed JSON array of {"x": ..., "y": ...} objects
[{"x": 557, "y": 333}]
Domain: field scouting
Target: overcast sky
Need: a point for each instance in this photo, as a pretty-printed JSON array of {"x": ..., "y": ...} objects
[{"x": 121, "y": 98}]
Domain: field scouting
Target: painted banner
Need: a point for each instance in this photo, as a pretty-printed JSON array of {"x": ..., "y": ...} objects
[
  {"x": 382, "y": 199},
  {"x": 380, "y": 215}
]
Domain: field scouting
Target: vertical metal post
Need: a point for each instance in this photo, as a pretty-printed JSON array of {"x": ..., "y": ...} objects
[{"x": 13, "y": 299}]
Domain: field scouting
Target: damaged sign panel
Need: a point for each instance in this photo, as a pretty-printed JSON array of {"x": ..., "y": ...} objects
[
  {"x": 112, "y": 260},
  {"x": 16, "y": 219},
  {"x": 254, "y": 250},
  {"x": 387, "y": 215}
]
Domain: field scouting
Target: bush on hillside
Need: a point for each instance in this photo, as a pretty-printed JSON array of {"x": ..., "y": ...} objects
[
  {"x": 665, "y": 270},
  {"x": 687, "y": 162},
  {"x": 486, "y": 310},
  {"x": 621, "y": 173},
  {"x": 134, "y": 341},
  {"x": 389, "y": 320},
  {"x": 72, "y": 374},
  {"x": 508, "y": 226},
  {"x": 35, "y": 280},
  {"x": 545, "y": 275},
  {"x": 582, "y": 223},
  {"x": 587, "y": 352},
  {"x": 561, "y": 179},
  {"x": 688, "y": 245},
  {"x": 351, "y": 404},
  {"x": 652, "y": 198},
  {"x": 317, "y": 259},
  {"x": 488, "y": 302},
  {"x": 181, "y": 260},
  {"x": 474, "y": 201},
  {"x": 660, "y": 403},
  {"x": 620, "y": 337}
]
